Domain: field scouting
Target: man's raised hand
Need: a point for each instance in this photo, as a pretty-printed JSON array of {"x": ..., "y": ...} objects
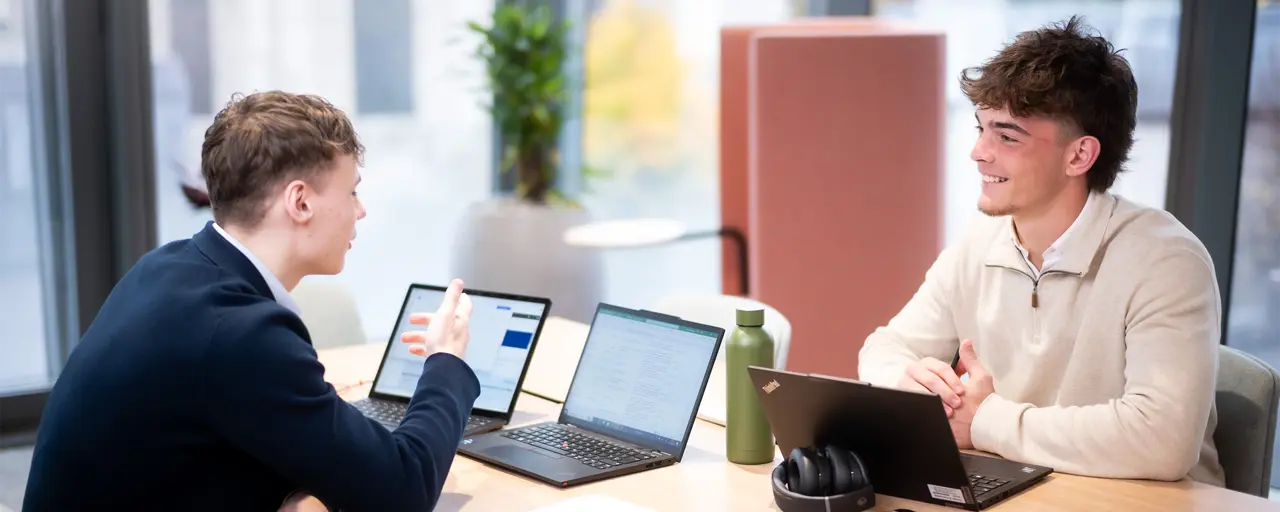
[{"x": 448, "y": 329}]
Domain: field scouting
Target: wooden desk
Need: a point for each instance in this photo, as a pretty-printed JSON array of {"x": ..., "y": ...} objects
[{"x": 705, "y": 481}]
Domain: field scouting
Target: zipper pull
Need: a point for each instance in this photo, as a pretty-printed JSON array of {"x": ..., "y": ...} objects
[{"x": 1035, "y": 299}]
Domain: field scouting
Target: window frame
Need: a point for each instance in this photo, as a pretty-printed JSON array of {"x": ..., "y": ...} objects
[
  {"x": 93, "y": 151},
  {"x": 1210, "y": 112}
]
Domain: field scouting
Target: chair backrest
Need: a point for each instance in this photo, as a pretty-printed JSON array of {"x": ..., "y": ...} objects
[
  {"x": 330, "y": 313},
  {"x": 720, "y": 311},
  {"x": 1248, "y": 392}
]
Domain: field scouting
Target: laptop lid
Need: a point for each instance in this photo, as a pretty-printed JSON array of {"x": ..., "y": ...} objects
[
  {"x": 903, "y": 437},
  {"x": 641, "y": 377},
  {"x": 504, "y": 331}
]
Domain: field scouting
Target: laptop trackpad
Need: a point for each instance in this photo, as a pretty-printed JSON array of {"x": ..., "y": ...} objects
[
  {"x": 537, "y": 462},
  {"x": 519, "y": 454}
]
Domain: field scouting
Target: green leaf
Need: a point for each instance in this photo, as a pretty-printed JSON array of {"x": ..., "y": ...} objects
[{"x": 539, "y": 29}]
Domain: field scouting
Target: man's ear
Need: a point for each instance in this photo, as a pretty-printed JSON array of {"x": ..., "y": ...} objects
[
  {"x": 297, "y": 198},
  {"x": 1081, "y": 154}
]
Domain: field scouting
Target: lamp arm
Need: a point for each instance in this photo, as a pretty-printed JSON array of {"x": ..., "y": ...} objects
[{"x": 741, "y": 241}]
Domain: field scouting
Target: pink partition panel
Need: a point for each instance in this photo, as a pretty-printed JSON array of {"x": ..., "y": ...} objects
[
  {"x": 733, "y": 124},
  {"x": 831, "y": 164}
]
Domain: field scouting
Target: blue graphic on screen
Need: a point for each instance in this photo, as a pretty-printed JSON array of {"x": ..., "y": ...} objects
[
  {"x": 639, "y": 379},
  {"x": 501, "y": 333}
]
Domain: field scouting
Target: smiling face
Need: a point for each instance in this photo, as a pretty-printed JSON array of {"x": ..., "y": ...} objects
[
  {"x": 1026, "y": 163},
  {"x": 1056, "y": 113}
]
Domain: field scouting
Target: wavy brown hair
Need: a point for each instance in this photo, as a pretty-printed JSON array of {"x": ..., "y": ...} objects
[
  {"x": 1063, "y": 72},
  {"x": 263, "y": 139}
]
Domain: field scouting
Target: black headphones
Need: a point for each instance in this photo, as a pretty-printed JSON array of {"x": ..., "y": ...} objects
[{"x": 822, "y": 479}]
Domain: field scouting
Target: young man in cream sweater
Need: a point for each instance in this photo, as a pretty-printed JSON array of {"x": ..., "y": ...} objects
[{"x": 1088, "y": 325}]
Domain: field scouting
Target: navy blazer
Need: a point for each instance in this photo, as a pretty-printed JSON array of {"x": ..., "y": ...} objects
[{"x": 194, "y": 390}]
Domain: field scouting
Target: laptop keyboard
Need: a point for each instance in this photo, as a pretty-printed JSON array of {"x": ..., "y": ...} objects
[
  {"x": 476, "y": 422},
  {"x": 392, "y": 413},
  {"x": 982, "y": 485},
  {"x": 384, "y": 412},
  {"x": 595, "y": 452}
]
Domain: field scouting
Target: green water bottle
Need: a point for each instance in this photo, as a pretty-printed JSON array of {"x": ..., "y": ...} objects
[{"x": 748, "y": 436}]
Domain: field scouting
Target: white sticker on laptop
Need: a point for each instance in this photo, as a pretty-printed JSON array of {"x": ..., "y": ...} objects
[{"x": 946, "y": 493}]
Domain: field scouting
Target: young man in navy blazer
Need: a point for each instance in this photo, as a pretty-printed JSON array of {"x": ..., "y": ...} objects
[{"x": 197, "y": 388}]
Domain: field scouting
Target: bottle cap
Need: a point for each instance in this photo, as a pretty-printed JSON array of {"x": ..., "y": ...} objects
[{"x": 750, "y": 317}]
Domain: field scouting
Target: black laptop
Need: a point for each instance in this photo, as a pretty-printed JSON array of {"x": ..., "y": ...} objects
[
  {"x": 630, "y": 407},
  {"x": 903, "y": 437},
  {"x": 504, "y": 330}
]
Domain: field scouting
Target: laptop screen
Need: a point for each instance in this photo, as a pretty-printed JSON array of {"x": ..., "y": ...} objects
[
  {"x": 641, "y": 377},
  {"x": 502, "y": 330}
]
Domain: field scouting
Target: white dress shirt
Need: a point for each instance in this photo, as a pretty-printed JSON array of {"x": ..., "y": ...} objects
[
  {"x": 273, "y": 283},
  {"x": 1054, "y": 251}
]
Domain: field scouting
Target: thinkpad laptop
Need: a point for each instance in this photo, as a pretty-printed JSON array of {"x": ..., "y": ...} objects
[
  {"x": 504, "y": 330},
  {"x": 903, "y": 437},
  {"x": 630, "y": 407}
]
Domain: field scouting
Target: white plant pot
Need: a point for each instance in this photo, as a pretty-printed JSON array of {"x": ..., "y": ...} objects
[{"x": 511, "y": 246}]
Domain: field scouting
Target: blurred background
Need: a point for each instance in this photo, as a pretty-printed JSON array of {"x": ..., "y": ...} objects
[{"x": 404, "y": 70}]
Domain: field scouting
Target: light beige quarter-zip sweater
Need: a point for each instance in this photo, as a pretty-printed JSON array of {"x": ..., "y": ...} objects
[{"x": 1104, "y": 364}]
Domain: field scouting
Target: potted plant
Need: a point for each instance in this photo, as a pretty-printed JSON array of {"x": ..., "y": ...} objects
[{"x": 514, "y": 243}]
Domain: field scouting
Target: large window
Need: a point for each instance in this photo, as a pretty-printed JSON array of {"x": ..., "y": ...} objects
[
  {"x": 1147, "y": 31},
  {"x": 649, "y": 114},
  {"x": 418, "y": 110},
  {"x": 23, "y": 356},
  {"x": 650, "y": 121},
  {"x": 1255, "y": 290}
]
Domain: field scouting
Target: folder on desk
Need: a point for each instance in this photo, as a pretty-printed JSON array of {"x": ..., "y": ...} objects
[
  {"x": 557, "y": 356},
  {"x": 556, "y": 359}
]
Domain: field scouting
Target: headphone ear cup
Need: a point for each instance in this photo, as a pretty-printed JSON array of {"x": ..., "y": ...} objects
[
  {"x": 858, "y": 471},
  {"x": 841, "y": 479},
  {"x": 823, "y": 465},
  {"x": 792, "y": 474},
  {"x": 781, "y": 477},
  {"x": 802, "y": 473}
]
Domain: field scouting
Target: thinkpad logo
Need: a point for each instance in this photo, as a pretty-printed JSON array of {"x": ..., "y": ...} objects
[
  {"x": 772, "y": 385},
  {"x": 1028, "y": 470},
  {"x": 468, "y": 441}
]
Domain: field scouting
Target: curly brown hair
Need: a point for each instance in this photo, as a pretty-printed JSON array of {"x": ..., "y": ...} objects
[
  {"x": 1062, "y": 72},
  {"x": 263, "y": 139}
]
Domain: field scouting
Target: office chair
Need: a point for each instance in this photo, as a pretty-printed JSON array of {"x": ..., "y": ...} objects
[
  {"x": 330, "y": 314},
  {"x": 1248, "y": 391}
]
